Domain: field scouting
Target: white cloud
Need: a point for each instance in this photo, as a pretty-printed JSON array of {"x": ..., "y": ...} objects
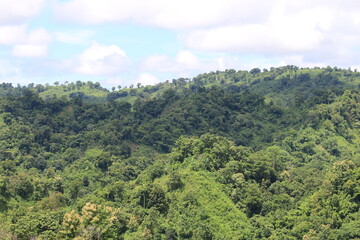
[
  {"x": 39, "y": 36},
  {"x": 19, "y": 34},
  {"x": 74, "y": 37},
  {"x": 300, "y": 32},
  {"x": 189, "y": 14},
  {"x": 101, "y": 60},
  {"x": 175, "y": 14},
  {"x": 30, "y": 51},
  {"x": 186, "y": 63},
  {"x": 14, "y": 31},
  {"x": 18, "y": 11},
  {"x": 187, "y": 60},
  {"x": 114, "y": 81},
  {"x": 321, "y": 32},
  {"x": 316, "y": 30},
  {"x": 147, "y": 79},
  {"x": 96, "y": 11},
  {"x": 298, "y": 60},
  {"x": 183, "y": 61},
  {"x": 12, "y": 34},
  {"x": 25, "y": 44}
]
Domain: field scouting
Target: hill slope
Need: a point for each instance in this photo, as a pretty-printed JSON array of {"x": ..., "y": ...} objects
[{"x": 227, "y": 155}]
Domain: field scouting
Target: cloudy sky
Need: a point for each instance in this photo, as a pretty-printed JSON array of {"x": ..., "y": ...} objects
[{"x": 123, "y": 42}]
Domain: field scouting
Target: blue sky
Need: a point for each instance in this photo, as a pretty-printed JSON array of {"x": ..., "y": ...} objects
[{"x": 123, "y": 42}]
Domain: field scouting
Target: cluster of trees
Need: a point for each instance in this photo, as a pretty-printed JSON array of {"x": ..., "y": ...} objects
[{"x": 264, "y": 154}]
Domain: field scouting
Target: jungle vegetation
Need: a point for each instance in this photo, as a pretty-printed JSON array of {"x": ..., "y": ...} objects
[{"x": 259, "y": 154}]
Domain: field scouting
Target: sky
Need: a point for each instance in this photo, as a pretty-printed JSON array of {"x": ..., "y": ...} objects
[{"x": 123, "y": 42}]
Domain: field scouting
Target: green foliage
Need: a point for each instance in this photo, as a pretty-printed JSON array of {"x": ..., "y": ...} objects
[{"x": 259, "y": 154}]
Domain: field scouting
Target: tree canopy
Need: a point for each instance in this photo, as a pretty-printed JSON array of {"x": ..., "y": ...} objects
[{"x": 259, "y": 154}]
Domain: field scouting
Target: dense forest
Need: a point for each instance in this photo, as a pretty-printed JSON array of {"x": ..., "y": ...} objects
[{"x": 260, "y": 154}]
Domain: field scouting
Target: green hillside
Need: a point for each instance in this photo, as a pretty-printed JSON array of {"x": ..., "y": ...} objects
[{"x": 260, "y": 154}]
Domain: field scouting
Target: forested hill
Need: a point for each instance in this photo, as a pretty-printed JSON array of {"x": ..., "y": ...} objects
[
  {"x": 260, "y": 154},
  {"x": 284, "y": 85}
]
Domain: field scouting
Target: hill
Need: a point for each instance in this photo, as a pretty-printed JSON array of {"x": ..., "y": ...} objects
[{"x": 260, "y": 154}]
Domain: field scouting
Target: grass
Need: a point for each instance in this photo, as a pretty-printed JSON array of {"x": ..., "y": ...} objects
[{"x": 66, "y": 90}]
